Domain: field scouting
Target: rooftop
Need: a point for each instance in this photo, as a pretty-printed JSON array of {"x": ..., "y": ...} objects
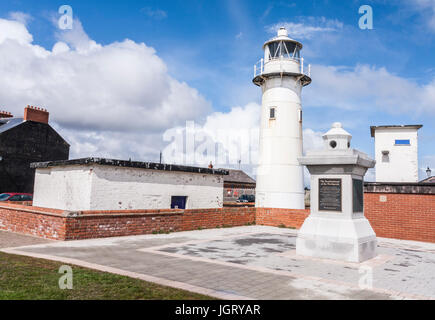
[
  {"x": 9, "y": 123},
  {"x": 238, "y": 176},
  {"x": 282, "y": 35},
  {"x": 430, "y": 180},
  {"x": 128, "y": 164},
  {"x": 404, "y": 126}
]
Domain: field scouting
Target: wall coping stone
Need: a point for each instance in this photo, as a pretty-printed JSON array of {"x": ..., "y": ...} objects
[
  {"x": 128, "y": 164},
  {"x": 399, "y": 187}
]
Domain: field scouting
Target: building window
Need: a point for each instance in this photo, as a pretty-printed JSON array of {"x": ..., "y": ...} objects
[
  {"x": 178, "y": 202},
  {"x": 402, "y": 142},
  {"x": 272, "y": 113},
  {"x": 385, "y": 156}
]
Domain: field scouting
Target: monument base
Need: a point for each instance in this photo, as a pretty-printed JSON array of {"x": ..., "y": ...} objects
[{"x": 345, "y": 239}]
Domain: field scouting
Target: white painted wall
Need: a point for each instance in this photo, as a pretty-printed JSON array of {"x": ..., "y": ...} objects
[
  {"x": 99, "y": 187},
  {"x": 63, "y": 188},
  {"x": 280, "y": 177},
  {"x": 403, "y": 160},
  {"x": 279, "y": 174}
]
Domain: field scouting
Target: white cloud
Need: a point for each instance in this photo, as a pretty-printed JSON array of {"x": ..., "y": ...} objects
[
  {"x": 224, "y": 139},
  {"x": 111, "y": 100},
  {"x": 21, "y": 17},
  {"x": 14, "y": 31},
  {"x": 307, "y": 27},
  {"x": 312, "y": 139},
  {"x": 140, "y": 145},
  {"x": 427, "y": 9},
  {"x": 365, "y": 87},
  {"x": 154, "y": 13},
  {"x": 122, "y": 86},
  {"x": 77, "y": 38}
]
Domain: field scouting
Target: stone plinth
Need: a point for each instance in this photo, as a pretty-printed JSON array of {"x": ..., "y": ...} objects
[{"x": 336, "y": 228}]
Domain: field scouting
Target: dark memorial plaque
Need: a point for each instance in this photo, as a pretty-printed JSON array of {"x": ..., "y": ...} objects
[
  {"x": 330, "y": 194},
  {"x": 357, "y": 195}
]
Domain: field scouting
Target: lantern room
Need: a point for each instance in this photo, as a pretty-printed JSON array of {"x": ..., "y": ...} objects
[
  {"x": 282, "y": 56},
  {"x": 281, "y": 47}
]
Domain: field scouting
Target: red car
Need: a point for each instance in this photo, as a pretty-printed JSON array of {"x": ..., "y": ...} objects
[{"x": 12, "y": 196}]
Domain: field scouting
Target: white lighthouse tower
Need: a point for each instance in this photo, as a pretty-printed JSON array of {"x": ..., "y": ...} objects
[{"x": 281, "y": 76}]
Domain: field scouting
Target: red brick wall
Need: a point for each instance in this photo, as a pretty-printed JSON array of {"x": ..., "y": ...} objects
[
  {"x": 115, "y": 224},
  {"x": 290, "y": 218},
  {"x": 99, "y": 224},
  {"x": 40, "y": 222},
  {"x": 402, "y": 216},
  {"x": 212, "y": 218},
  {"x": 56, "y": 224},
  {"x": 35, "y": 114}
]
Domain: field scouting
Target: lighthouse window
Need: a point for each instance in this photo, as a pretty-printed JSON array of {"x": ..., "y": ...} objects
[
  {"x": 405, "y": 142},
  {"x": 286, "y": 49},
  {"x": 272, "y": 113},
  {"x": 292, "y": 49},
  {"x": 297, "y": 53},
  {"x": 274, "y": 49}
]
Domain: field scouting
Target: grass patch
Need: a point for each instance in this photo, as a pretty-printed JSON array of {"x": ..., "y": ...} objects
[
  {"x": 24, "y": 277},
  {"x": 284, "y": 226},
  {"x": 162, "y": 231}
]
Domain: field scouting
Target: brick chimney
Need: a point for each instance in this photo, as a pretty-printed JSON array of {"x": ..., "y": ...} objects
[
  {"x": 5, "y": 114},
  {"x": 35, "y": 114}
]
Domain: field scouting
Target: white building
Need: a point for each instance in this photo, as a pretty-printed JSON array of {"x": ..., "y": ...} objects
[
  {"x": 281, "y": 76},
  {"x": 396, "y": 153},
  {"x": 105, "y": 184}
]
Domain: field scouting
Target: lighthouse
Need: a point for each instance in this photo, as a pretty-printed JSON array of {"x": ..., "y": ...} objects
[{"x": 281, "y": 75}]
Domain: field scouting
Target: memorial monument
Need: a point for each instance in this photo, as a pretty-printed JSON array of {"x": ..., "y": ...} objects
[{"x": 336, "y": 227}]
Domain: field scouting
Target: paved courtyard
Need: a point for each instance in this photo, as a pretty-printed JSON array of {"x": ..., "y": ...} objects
[
  {"x": 252, "y": 262},
  {"x": 11, "y": 239}
]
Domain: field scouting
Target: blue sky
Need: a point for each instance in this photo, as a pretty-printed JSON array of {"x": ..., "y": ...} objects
[{"x": 360, "y": 77}]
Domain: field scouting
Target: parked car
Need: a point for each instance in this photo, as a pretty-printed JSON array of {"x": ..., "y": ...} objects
[
  {"x": 13, "y": 196},
  {"x": 246, "y": 198}
]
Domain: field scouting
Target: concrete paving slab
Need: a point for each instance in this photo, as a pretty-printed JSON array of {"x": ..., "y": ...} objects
[
  {"x": 254, "y": 262},
  {"x": 11, "y": 239}
]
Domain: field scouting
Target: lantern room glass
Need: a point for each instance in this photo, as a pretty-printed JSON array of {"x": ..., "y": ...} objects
[{"x": 283, "y": 49}]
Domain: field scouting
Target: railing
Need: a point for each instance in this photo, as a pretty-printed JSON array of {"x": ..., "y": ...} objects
[{"x": 259, "y": 66}]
